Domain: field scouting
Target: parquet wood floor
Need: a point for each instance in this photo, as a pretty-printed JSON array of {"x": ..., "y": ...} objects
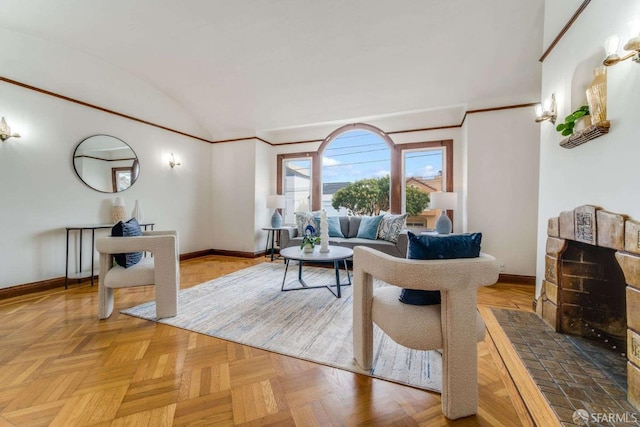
[{"x": 60, "y": 366}]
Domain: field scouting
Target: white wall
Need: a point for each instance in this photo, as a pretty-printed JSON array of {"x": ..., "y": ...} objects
[
  {"x": 41, "y": 193},
  {"x": 503, "y": 185},
  {"x": 234, "y": 193},
  {"x": 263, "y": 171},
  {"x": 604, "y": 171}
]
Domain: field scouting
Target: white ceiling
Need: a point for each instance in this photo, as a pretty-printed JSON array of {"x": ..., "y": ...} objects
[{"x": 264, "y": 67}]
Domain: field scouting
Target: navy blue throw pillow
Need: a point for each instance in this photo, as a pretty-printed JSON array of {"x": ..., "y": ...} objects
[
  {"x": 447, "y": 246},
  {"x": 419, "y": 297},
  {"x": 130, "y": 228},
  {"x": 438, "y": 247}
]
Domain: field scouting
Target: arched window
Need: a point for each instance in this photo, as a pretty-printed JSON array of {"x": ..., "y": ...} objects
[
  {"x": 356, "y": 168},
  {"x": 366, "y": 158}
]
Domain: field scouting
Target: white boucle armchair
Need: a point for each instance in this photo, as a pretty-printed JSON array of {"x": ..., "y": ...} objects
[
  {"x": 162, "y": 269},
  {"x": 455, "y": 326}
]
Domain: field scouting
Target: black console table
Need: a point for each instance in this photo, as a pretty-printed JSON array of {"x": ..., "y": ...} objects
[{"x": 80, "y": 229}]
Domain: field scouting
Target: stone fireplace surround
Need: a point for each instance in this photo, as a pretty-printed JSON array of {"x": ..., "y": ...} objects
[{"x": 594, "y": 226}]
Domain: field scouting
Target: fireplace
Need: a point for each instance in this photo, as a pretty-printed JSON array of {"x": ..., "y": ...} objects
[
  {"x": 592, "y": 283},
  {"x": 591, "y": 303}
]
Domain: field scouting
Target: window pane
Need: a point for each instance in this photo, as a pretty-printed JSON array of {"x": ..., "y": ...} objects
[
  {"x": 297, "y": 188},
  {"x": 361, "y": 161},
  {"x": 423, "y": 174}
]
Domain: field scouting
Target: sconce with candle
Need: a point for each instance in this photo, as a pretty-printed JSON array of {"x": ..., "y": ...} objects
[
  {"x": 547, "y": 110},
  {"x": 632, "y": 46},
  {"x": 173, "y": 162},
  {"x": 5, "y": 131}
]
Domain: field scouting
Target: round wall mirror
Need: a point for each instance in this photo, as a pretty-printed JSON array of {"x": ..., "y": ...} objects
[{"x": 106, "y": 163}]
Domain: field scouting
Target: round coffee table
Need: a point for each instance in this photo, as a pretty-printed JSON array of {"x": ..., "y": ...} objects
[{"x": 336, "y": 255}]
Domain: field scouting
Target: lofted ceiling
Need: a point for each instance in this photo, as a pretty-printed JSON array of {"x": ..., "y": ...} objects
[{"x": 269, "y": 67}]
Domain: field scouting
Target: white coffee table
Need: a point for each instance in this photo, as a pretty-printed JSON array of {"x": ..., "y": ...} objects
[{"x": 336, "y": 255}]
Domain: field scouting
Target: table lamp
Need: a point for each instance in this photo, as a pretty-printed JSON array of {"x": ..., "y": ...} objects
[
  {"x": 276, "y": 202},
  {"x": 444, "y": 201}
]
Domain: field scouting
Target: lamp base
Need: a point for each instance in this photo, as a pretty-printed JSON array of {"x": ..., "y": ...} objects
[
  {"x": 443, "y": 224},
  {"x": 276, "y": 220}
]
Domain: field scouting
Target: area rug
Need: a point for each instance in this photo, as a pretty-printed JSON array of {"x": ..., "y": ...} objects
[{"x": 248, "y": 307}]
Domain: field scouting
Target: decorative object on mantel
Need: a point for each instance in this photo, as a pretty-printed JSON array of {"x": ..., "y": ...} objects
[
  {"x": 324, "y": 233},
  {"x": 118, "y": 211},
  {"x": 137, "y": 212},
  {"x": 597, "y": 95},
  {"x": 632, "y": 46},
  {"x": 5, "y": 131},
  {"x": 580, "y": 115},
  {"x": 585, "y": 135}
]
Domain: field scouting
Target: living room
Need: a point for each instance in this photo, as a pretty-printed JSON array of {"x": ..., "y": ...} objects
[{"x": 510, "y": 172}]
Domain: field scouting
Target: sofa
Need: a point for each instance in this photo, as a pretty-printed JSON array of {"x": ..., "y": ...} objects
[{"x": 395, "y": 244}]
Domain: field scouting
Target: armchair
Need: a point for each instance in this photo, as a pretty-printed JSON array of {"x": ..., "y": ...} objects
[
  {"x": 455, "y": 326},
  {"x": 161, "y": 270}
]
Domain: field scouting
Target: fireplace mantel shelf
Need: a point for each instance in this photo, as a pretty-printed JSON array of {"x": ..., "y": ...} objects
[{"x": 587, "y": 134}]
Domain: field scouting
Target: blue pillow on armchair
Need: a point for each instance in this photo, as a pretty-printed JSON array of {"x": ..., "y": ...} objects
[
  {"x": 438, "y": 247},
  {"x": 130, "y": 228}
]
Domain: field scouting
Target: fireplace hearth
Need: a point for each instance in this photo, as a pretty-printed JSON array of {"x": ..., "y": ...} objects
[{"x": 592, "y": 283}]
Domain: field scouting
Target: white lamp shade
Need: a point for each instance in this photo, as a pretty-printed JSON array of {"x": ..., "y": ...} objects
[
  {"x": 275, "y": 201},
  {"x": 444, "y": 201}
]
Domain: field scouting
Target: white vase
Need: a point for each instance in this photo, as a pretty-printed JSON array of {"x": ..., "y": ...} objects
[
  {"x": 307, "y": 249},
  {"x": 137, "y": 212},
  {"x": 324, "y": 233}
]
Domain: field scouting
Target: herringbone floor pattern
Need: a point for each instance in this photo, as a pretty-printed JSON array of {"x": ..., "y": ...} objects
[{"x": 60, "y": 366}]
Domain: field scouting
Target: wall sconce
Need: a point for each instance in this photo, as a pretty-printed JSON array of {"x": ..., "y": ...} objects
[
  {"x": 547, "y": 110},
  {"x": 5, "y": 131},
  {"x": 633, "y": 45},
  {"x": 172, "y": 162}
]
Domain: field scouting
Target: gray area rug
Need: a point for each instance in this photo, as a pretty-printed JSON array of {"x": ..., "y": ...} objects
[{"x": 248, "y": 307}]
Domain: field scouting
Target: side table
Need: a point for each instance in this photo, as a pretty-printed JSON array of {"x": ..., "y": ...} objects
[{"x": 271, "y": 241}]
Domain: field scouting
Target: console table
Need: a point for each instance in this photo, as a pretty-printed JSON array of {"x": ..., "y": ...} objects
[{"x": 80, "y": 229}]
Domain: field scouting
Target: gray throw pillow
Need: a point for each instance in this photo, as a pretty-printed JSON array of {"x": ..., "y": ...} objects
[{"x": 391, "y": 226}]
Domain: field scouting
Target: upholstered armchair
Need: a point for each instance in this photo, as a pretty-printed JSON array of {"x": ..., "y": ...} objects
[
  {"x": 455, "y": 326},
  {"x": 161, "y": 268}
]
